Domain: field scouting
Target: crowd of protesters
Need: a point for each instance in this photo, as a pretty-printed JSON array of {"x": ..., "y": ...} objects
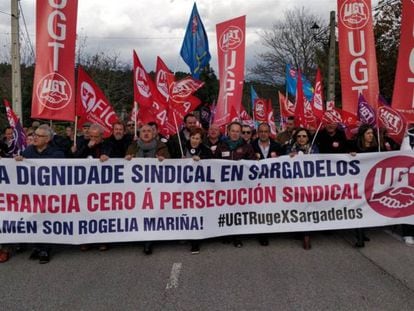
[{"x": 238, "y": 141}]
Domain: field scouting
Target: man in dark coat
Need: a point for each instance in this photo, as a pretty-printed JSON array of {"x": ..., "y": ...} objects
[
  {"x": 264, "y": 146},
  {"x": 41, "y": 149}
]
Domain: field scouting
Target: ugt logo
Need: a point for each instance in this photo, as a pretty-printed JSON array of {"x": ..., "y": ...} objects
[
  {"x": 53, "y": 91},
  {"x": 354, "y": 14},
  {"x": 389, "y": 188},
  {"x": 231, "y": 38},
  {"x": 260, "y": 108}
]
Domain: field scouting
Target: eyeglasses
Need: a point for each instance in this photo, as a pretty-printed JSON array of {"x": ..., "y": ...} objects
[
  {"x": 38, "y": 135},
  {"x": 302, "y": 136},
  {"x": 130, "y": 125},
  {"x": 246, "y": 132}
]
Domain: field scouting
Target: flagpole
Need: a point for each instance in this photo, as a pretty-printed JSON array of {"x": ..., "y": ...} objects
[
  {"x": 178, "y": 134},
  {"x": 135, "y": 119},
  {"x": 286, "y": 100},
  {"x": 76, "y": 131},
  {"x": 378, "y": 130},
  {"x": 316, "y": 134}
]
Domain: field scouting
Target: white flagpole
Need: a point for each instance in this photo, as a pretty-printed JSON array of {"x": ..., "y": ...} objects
[{"x": 178, "y": 134}]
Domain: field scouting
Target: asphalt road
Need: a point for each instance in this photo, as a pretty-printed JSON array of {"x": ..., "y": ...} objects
[{"x": 333, "y": 275}]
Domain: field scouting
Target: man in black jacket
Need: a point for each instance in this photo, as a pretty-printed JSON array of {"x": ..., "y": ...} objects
[
  {"x": 118, "y": 143},
  {"x": 41, "y": 149},
  {"x": 264, "y": 147}
]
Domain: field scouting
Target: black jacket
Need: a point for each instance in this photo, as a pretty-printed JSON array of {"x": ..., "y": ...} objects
[{"x": 274, "y": 148}]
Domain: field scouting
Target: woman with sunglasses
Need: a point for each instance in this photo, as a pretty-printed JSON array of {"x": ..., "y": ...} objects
[{"x": 302, "y": 145}]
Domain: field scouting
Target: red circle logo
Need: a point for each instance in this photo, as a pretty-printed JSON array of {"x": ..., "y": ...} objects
[
  {"x": 53, "y": 91},
  {"x": 354, "y": 14},
  {"x": 389, "y": 187},
  {"x": 231, "y": 38}
]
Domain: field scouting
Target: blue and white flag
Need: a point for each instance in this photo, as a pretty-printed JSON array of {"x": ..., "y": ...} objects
[
  {"x": 194, "y": 50},
  {"x": 291, "y": 80}
]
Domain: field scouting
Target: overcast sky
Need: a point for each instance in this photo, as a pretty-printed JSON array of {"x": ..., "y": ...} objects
[{"x": 156, "y": 28}]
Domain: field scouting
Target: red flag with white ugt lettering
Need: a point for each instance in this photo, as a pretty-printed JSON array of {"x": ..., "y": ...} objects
[{"x": 54, "y": 81}]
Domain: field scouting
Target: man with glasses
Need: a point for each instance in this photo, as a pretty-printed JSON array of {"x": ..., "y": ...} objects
[
  {"x": 233, "y": 147},
  {"x": 95, "y": 147},
  {"x": 130, "y": 128},
  {"x": 41, "y": 149}
]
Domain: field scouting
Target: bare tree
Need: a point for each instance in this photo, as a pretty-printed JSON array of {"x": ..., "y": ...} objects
[{"x": 290, "y": 41}]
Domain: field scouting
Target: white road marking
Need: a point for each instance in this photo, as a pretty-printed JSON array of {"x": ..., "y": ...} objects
[{"x": 175, "y": 273}]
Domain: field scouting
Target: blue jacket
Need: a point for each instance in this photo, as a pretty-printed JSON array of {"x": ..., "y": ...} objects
[{"x": 50, "y": 152}]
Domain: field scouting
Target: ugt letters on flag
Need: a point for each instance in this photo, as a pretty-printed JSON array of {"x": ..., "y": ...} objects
[{"x": 54, "y": 81}]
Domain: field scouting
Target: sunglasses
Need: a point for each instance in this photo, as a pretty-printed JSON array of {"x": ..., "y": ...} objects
[
  {"x": 130, "y": 124},
  {"x": 246, "y": 132}
]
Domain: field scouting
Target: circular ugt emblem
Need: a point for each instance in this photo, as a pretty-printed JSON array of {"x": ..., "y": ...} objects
[
  {"x": 231, "y": 38},
  {"x": 354, "y": 14},
  {"x": 389, "y": 187},
  {"x": 53, "y": 91}
]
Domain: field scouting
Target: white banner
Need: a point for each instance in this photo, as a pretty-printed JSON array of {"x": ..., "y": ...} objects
[{"x": 77, "y": 201}]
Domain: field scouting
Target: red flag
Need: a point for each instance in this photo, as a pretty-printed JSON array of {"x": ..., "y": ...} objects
[
  {"x": 183, "y": 89},
  {"x": 403, "y": 96},
  {"x": 143, "y": 85},
  {"x": 351, "y": 123},
  {"x": 271, "y": 119},
  {"x": 54, "y": 80},
  {"x": 92, "y": 105},
  {"x": 332, "y": 116},
  {"x": 175, "y": 98},
  {"x": 393, "y": 121},
  {"x": 300, "y": 120},
  {"x": 357, "y": 57},
  {"x": 231, "y": 56},
  {"x": 180, "y": 110},
  {"x": 349, "y": 119},
  {"x": 163, "y": 80},
  {"x": 234, "y": 116},
  {"x": 287, "y": 108},
  {"x": 153, "y": 108},
  {"x": 246, "y": 119},
  {"x": 317, "y": 100},
  {"x": 310, "y": 119},
  {"x": 260, "y": 110}
]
